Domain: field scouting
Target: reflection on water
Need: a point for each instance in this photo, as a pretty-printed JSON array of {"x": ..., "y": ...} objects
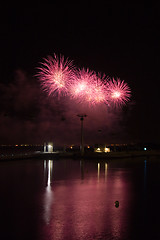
[
  {"x": 99, "y": 169},
  {"x": 84, "y": 206},
  {"x": 82, "y": 169},
  {"x": 48, "y": 196},
  {"x": 50, "y": 167},
  {"x": 106, "y": 171},
  {"x": 75, "y": 200}
]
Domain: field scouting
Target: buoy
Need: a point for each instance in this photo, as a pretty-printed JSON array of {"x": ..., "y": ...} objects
[{"x": 116, "y": 203}]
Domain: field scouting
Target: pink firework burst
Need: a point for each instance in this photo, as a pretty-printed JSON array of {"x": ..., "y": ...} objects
[
  {"x": 100, "y": 91},
  {"x": 56, "y": 75},
  {"x": 88, "y": 87},
  {"x": 119, "y": 92},
  {"x": 81, "y": 88}
]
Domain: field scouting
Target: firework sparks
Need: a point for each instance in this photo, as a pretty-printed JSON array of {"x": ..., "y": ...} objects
[
  {"x": 100, "y": 91},
  {"x": 81, "y": 86},
  {"x": 59, "y": 77},
  {"x": 119, "y": 92},
  {"x": 56, "y": 75},
  {"x": 89, "y": 87}
]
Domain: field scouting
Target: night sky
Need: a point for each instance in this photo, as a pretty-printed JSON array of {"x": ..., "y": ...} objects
[{"x": 119, "y": 40}]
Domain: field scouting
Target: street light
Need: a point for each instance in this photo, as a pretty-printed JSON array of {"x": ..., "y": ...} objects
[{"x": 82, "y": 142}]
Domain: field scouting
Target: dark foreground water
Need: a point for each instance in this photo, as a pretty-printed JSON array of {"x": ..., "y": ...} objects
[{"x": 69, "y": 199}]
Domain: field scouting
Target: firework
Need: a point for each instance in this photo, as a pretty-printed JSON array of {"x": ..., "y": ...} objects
[
  {"x": 59, "y": 77},
  {"x": 56, "y": 75},
  {"x": 89, "y": 87},
  {"x": 100, "y": 91},
  {"x": 81, "y": 86},
  {"x": 119, "y": 92}
]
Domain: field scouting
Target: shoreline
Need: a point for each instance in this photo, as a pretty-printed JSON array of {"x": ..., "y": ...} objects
[{"x": 77, "y": 155}]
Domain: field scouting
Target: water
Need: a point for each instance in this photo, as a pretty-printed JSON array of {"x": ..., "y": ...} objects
[{"x": 69, "y": 199}]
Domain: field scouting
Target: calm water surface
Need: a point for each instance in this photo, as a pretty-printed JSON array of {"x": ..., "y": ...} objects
[{"x": 69, "y": 199}]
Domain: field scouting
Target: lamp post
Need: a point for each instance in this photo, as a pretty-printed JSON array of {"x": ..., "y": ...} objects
[{"x": 82, "y": 140}]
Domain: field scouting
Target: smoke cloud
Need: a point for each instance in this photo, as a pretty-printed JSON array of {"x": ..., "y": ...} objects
[{"x": 28, "y": 115}]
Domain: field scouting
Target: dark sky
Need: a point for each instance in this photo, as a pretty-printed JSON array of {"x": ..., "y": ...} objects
[{"x": 119, "y": 40}]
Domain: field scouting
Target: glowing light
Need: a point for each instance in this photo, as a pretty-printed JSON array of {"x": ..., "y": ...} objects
[
  {"x": 60, "y": 77},
  {"x": 98, "y": 174},
  {"x": 119, "y": 91},
  {"x": 48, "y": 196},
  {"x": 56, "y": 75},
  {"x": 82, "y": 86},
  {"x": 50, "y": 147},
  {"x": 106, "y": 166},
  {"x": 89, "y": 87},
  {"x": 49, "y": 172},
  {"x": 107, "y": 149},
  {"x": 116, "y": 94}
]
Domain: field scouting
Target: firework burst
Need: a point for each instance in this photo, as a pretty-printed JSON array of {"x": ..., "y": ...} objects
[
  {"x": 81, "y": 88},
  {"x": 89, "y": 87},
  {"x": 100, "y": 91},
  {"x": 119, "y": 92},
  {"x": 56, "y": 75},
  {"x": 59, "y": 77}
]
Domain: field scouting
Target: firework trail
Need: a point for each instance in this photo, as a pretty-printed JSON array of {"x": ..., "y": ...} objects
[
  {"x": 119, "y": 92},
  {"x": 56, "y": 75}
]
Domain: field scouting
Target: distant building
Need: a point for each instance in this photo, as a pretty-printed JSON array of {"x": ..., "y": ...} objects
[{"x": 48, "y": 147}]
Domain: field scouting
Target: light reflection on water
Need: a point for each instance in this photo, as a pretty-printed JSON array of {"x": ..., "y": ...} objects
[
  {"x": 72, "y": 199},
  {"x": 84, "y": 207},
  {"x": 49, "y": 194}
]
